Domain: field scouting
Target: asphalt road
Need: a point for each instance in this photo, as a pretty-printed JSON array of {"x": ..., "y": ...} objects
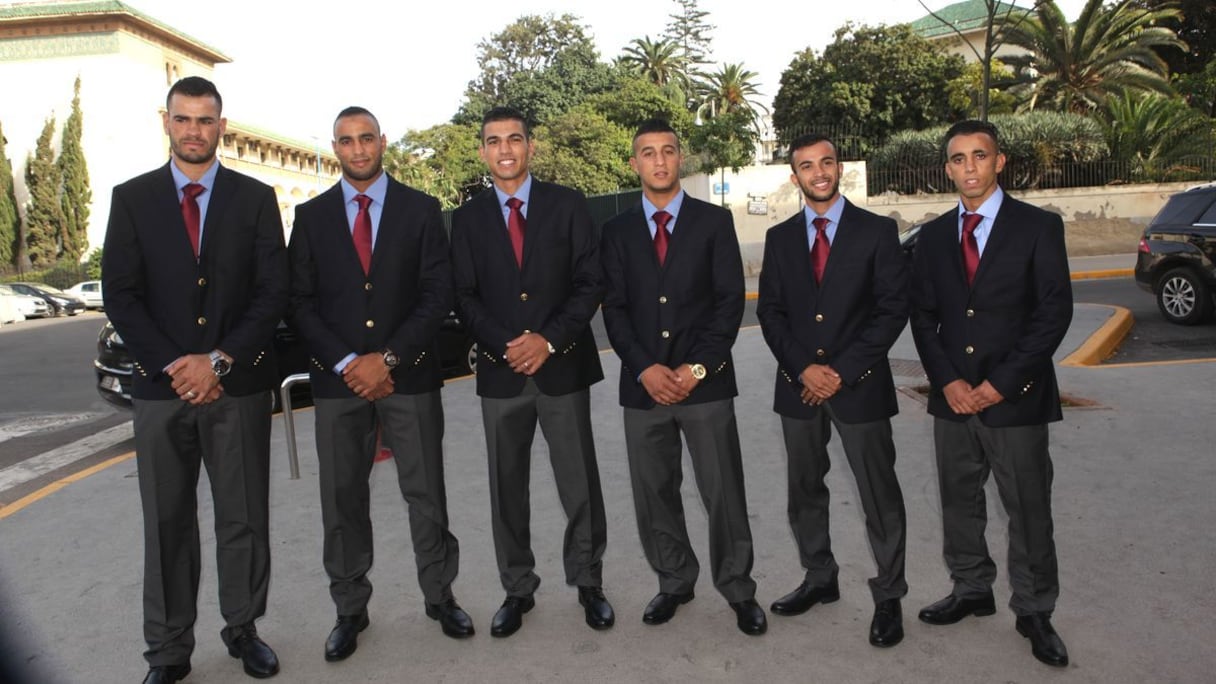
[
  {"x": 52, "y": 400},
  {"x": 1152, "y": 338}
]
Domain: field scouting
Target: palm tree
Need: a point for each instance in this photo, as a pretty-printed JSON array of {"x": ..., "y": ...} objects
[
  {"x": 658, "y": 61},
  {"x": 1157, "y": 134},
  {"x": 731, "y": 89},
  {"x": 1108, "y": 49}
]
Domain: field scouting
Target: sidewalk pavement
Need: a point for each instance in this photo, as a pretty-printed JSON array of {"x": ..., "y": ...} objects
[{"x": 1133, "y": 517}]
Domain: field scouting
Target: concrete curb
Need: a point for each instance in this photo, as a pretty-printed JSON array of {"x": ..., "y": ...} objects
[{"x": 1103, "y": 342}]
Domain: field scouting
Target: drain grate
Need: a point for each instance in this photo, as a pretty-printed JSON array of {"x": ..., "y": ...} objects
[{"x": 907, "y": 368}]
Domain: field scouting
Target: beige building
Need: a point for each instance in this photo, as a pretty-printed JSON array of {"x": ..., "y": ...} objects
[
  {"x": 962, "y": 27},
  {"x": 126, "y": 61}
]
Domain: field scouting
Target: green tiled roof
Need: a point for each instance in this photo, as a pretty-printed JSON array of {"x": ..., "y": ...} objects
[
  {"x": 965, "y": 16},
  {"x": 25, "y": 11}
]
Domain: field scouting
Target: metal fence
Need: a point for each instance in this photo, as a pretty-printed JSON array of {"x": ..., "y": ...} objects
[{"x": 910, "y": 180}]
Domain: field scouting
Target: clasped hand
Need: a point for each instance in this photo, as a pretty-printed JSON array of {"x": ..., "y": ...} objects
[
  {"x": 966, "y": 400},
  {"x": 368, "y": 377}
]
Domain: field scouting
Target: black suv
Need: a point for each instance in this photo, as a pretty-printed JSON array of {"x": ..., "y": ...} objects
[{"x": 1177, "y": 256}]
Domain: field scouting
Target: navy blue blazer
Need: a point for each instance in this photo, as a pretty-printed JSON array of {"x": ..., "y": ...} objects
[
  {"x": 686, "y": 311},
  {"x": 166, "y": 304},
  {"x": 848, "y": 322},
  {"x": 555, "y": 293},
  {"x": 1006, "y": 326},
  {"x": 399, "y": 304}
]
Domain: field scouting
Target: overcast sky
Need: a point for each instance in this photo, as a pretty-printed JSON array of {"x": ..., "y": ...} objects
[{"x": 408, "y": 62}]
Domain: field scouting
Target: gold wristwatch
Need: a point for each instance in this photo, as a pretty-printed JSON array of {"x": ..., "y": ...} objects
[{"x": 698, "y": 371}]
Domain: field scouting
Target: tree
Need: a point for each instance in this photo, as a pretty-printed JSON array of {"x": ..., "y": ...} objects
[
  {"x": 582, "y": 149},
  {"x": 77, "y": 196},
  {"x": 728, "y": 140},
  {"x": 530, "y": 44},
  {"x": 1107, "y": 50},
  {"x": 998, "y": 17},
  {"x": 633, "y": 100},
  {"x": 877, "y": 79},
  {"x": 1193, "y": 71},
  {"x": 441, "y": 160},
  {"x": 689, "y": 29},
  {"x": 10, "y": 220},
  {"x": 965, "y": 91},
  {"x": 44, "y": 218},
  {"x": 729, "y": 90},
  {"x": 574, "y": 75},
  {"x": 659, "y": 62},
  {"x": 1156, "y": 134}
]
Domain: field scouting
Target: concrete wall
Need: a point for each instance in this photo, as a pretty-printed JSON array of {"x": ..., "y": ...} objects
[{"x": 1097, "y": 220}]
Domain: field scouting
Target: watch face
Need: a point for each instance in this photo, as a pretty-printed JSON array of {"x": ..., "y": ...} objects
[
  {"x": 391, "y": 360},
  {"x": 698, "y": 371},
  {"x": 221, "y": 367}
]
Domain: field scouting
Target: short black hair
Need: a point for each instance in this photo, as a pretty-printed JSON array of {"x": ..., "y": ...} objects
[
  {"x": 195, "y": 86},
  {"x": 655, "y": 126},
  {"x": 355, "y": 110},
  {"x": 971, "y": 127},
  {"x": 806, "y": 140},
  {"x": 504, "y": 114}
]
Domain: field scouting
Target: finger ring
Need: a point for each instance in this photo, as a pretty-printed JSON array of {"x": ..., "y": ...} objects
[
  {"x": 191, "y": 394},
  {"x": 526, "y": 364}
]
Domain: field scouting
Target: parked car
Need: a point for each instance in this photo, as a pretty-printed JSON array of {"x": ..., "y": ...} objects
[
  {"x": 457, "y": 353},
  {"x": 28, "y": 305},
  {"x": 89, "y": 291},
  {"x": 61, "y": 302},
  {"x": 1176, "y": 259}
]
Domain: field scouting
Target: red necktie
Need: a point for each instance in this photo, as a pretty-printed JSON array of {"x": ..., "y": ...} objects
[
  {"x": 516, "y": 224},
  {"x": 190, "y": 213},
  {"x": 363, "y": 232},
  {"x": 661, "y": 236},
  {"x": 819, "y": 250},
  {"x": 971, "y": 248}
]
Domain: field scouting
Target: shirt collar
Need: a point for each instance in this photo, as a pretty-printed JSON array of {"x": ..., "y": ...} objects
[
  {"x": 833, "y": 214},
  {"x": 181, "y": 180},
  {"x": 989, "y": 208},
  {"x": 673, "y": 207},
  {"x": 523, "y": 193},
  {"x": 376, "y": 190}
]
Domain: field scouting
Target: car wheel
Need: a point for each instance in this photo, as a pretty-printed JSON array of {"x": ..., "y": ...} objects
[
  {"x": 1183, "y": 298},
  {"x": 470, "y": 358}
]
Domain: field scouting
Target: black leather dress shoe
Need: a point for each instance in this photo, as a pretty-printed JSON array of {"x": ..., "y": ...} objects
[
  {"x": 750, "y": 617},
  {"x": 887, "y": 627},
  {"x": 510, "y": 617},
  {"x": 258, "y": 658},
  {"x": 1045, "y": 644},
  {"x": 801, "y": 599},
  {"x": 954, "y": 608},
  {"x": 455, "y": 622},
  {"x": 344, "y": 637},
  {"x": 167, "y": 674},
  {"x": 663, "y": 606},
  {"x": 596, "y": 607}
]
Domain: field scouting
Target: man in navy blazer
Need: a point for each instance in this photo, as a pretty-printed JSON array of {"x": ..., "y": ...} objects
[
  {"x": 195, "y": 281},
  {"x": 372, "y": 331},
  {"x": 833, "y": 299},
  {"x": 528, "y": 281},
  {"x": 673, "y": 307},
  {"x": 992, "y": 300}
]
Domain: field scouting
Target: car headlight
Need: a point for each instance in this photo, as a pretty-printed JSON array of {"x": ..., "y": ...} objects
[{"x": 114, "y": 339}]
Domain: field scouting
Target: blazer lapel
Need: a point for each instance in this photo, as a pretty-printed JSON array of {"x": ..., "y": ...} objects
[
  {"x": 536, "y": 219},
  {"x": 800, "y": 251},
  {"x": 496, "y": 239},
  {"x": 1002, "y": 231},
  {"x": 390, "y": 216},
  {"x": 164, "y": 198},
  {"x": 217, "y": 204}
]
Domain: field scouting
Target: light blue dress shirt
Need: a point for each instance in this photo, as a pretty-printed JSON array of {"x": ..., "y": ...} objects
[
  {"x": 180, "y": 180},
  {"x": 988, "y": 211},
  {"x": 673, "y": 208},
  {"x": 832, "y": 215},
  {"x": 522, "y": 194}
]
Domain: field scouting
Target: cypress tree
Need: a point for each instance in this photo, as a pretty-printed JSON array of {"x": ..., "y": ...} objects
[
  {"x": 44, "y": 213},
  {"x": 10, "y": 220},
  {"x": 74, "y": 236}
]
